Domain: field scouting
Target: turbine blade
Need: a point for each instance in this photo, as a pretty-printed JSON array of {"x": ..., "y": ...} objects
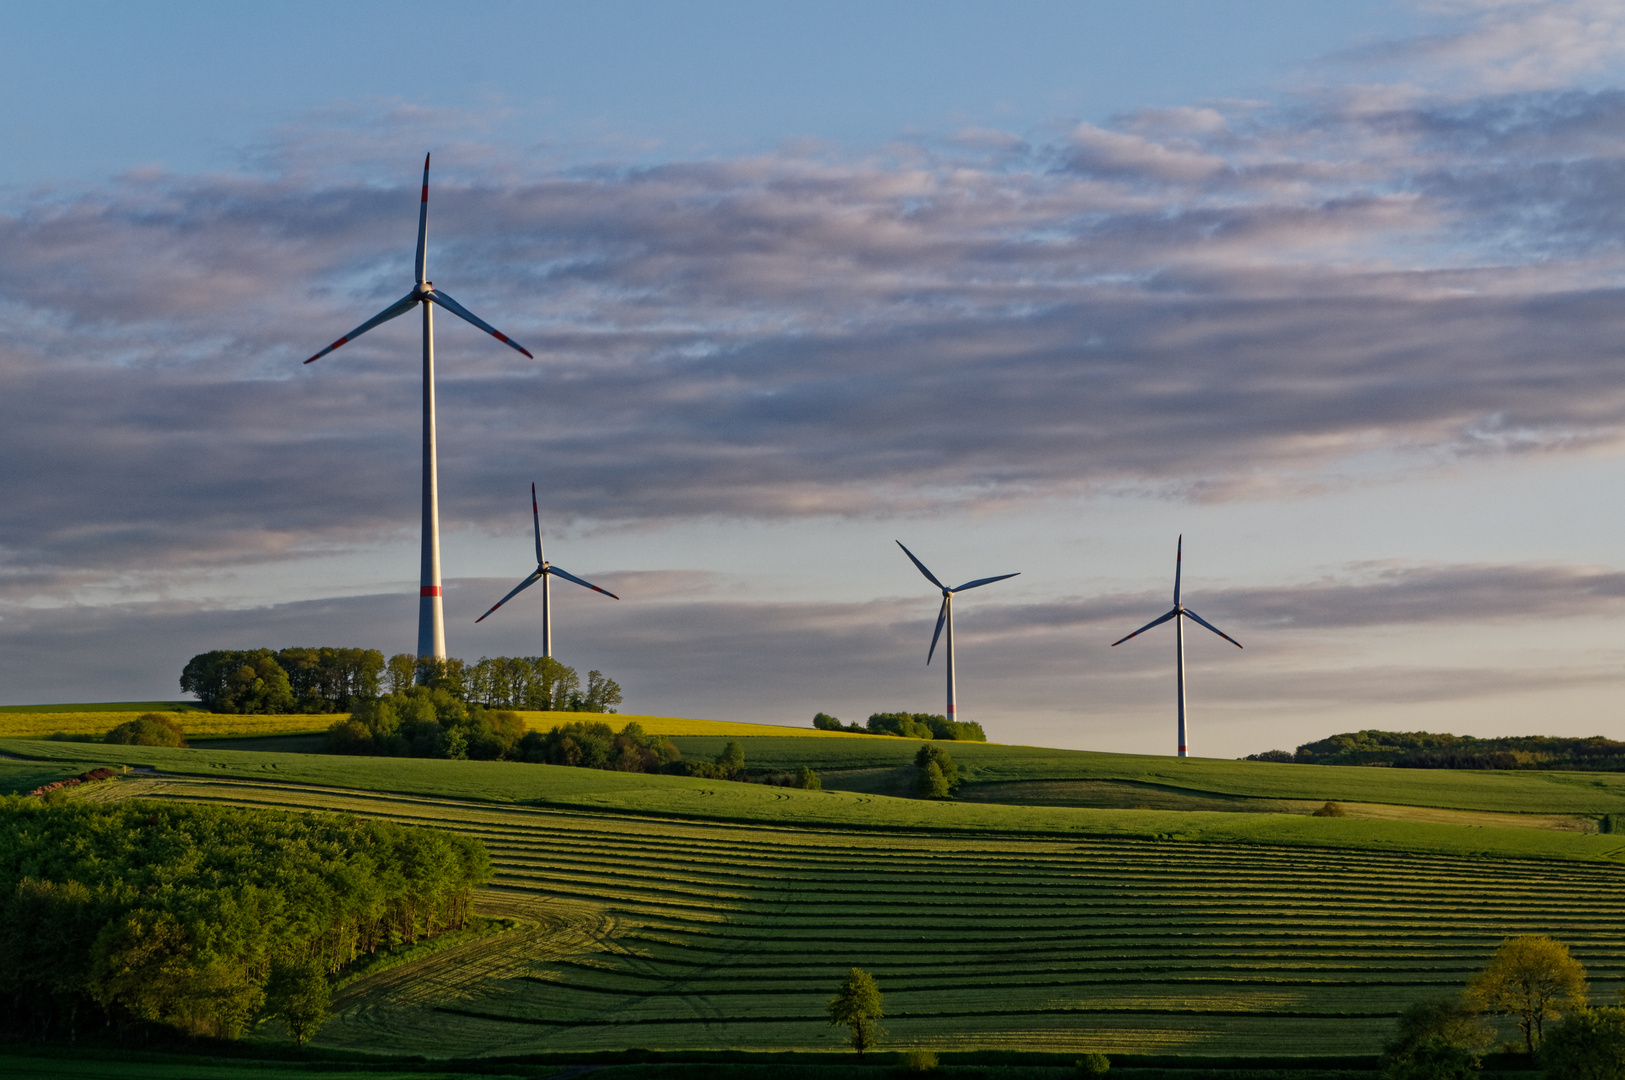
[
  {"x": 1179, "y": 561},
  {"x": 521, "y": 587},
  {"x": 984, "y": 581},
  {"x": 1213, "y": 628},
  {"x": 423, "y": 223},
  {"x": 536, "y": 518},
  {"x": 1154, "y": 622},
  {"x": 399, "y": 307},
  {"x": 942, "y": 617},
  {"x": 929, "y": 576},
  {"x": 578, "y": 581},
  {"x": 463, "y": 313}
]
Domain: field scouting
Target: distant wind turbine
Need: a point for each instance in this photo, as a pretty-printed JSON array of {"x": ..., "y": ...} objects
[
  {"x": 431, "y": 617},
  {"x": 544, "y": 573},
  {"x": 946, "y": 616},
  {"x": 1179, "y": 614}
]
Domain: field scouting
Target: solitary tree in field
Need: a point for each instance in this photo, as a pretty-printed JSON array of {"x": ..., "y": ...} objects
[
  {"x": 297, "y": 994},
  {"x": 857, "y": 1005},
  {"x": 1533, "y": 978},
  {"x": 938, "y": 775}
]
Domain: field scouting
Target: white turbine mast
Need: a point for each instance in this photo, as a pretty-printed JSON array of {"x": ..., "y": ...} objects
[
  {"x": 1179, "y": 614},
  {"x": 431, "y": 617},
  {"x": 945, "y": 616},
  {"x": 544, "y": 572}
]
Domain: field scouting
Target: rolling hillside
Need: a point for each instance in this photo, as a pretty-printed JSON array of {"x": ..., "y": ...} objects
[{"x": 679, "y": 930}]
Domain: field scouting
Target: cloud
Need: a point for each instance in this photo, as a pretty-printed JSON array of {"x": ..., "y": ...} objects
[
  {"x": 807, "y": 333},
  {"x": 1500, "y": 46}
]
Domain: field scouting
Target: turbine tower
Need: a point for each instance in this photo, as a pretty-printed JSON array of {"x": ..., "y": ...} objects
[
  {"x": 946, "y": 615},
  {"x": 544, "y": 573},
  {"x": 431, "y": 617},
  {"x": 1179, "y": 614}
]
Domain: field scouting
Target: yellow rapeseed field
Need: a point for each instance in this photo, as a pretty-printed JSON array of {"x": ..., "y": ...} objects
[
  {"x": 202, "y": 725},
  {"x": 197, "y": 725},
  {"x": 677, "y": 725}
]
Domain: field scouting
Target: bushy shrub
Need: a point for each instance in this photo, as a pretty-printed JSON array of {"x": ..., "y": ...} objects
[
  {"x": 1094, "y": 1065},
  {"x": 804, "y": 778},
  {"x": 826, "y": 722},
  {"x": 148, "y": 729},
  {"x": 1451, "y": 1019},
  {"x": 1587, "y": 1044},
  {"x": 1434, "y": 1058},
  {"x": 920, "y": 1060},
  {"x": 593, "y": 744},
  {"x": 938, "y": 776},
  {"x": 1331, "y": 809}
]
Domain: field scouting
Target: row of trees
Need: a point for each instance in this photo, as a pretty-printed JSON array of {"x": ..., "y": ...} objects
[
  {"x": 205, "y": 918},
  {"x": 1425, "y": 750},
  {"x": 427, "y": 722},
  {"x": 909, "y": 726},
  {"x": 288, "y": 681},
  {"x": 327, "y": 680}
]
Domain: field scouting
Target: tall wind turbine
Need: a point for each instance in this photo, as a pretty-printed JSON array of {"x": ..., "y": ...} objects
[
  {"x": 1179, "y": 614},
  {"x": 946, "y": 615},
  {"x": 544, "y": 573},
  {"x": 431, "y": 618}
]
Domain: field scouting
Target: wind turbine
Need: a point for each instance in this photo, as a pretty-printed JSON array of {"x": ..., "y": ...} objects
[
  {"x": 544, "y": 573},
  {"x": 1179, "y": 614},
  {"x": 431, "y": 617},
  {"x": 946, "y": 615}
]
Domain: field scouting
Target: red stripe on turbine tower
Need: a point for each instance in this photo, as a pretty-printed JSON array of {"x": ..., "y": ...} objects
[{"x": 429, "y": 590}]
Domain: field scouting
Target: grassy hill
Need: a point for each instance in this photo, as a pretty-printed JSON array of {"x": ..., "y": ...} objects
[
  {"x": 992, "y": 927},
  {"x": 684, "y": 797}
]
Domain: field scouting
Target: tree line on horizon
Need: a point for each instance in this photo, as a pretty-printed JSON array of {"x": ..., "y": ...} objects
[
  {"x": 908, "y": 725},
  {"x": 429, "y": 722},
  {"x": 205, "y": 919},
  {"x": 1424, "y": 750},
  {"x": 331, "y": 680}
]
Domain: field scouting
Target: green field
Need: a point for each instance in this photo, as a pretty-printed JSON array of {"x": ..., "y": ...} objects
[
  {"x": 689, "y": 798},
  {"x": 671, "y": 933},
  {"x": 17, "y": 777},
  {"x": 1535, "y": 792}
]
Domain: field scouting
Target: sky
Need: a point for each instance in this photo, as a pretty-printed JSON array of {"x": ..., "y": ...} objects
[{"x": 1332, "y": 291}]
